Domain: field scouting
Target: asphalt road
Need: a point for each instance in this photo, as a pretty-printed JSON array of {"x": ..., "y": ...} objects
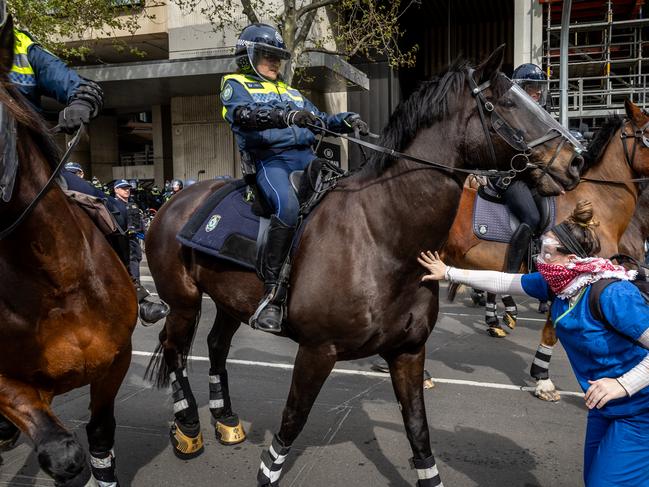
[{"x": 486, "y": 428}]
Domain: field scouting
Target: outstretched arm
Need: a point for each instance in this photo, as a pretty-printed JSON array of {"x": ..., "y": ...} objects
[{"x": 490, "y": 281}]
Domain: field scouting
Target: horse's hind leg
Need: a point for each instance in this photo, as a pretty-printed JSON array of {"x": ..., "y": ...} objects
[
  {"x": 511, "y": 311},
  {"x": 59, "y": 453},
  {"x": 312, "y": 367},
  {"x": 229, "y": 430},
  {"x": 406, "y": 373},
  {"x": 491, "y": 318},
  {"x": 101, "y": 427},
  {"x": 540, "y": 368}
]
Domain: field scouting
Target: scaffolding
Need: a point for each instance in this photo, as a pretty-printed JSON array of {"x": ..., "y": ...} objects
[{"x": 608, "y": 58}]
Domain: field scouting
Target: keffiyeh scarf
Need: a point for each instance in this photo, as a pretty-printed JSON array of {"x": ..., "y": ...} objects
[{"x": 566, "y": 281}]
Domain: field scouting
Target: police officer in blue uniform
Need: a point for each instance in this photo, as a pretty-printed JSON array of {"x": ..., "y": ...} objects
[{"x": 271, "y": 122}]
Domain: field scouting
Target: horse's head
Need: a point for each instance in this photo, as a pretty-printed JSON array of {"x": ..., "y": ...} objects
[
  {"x": 509, "y": 131},
  {"x": 635, "y": 138}
]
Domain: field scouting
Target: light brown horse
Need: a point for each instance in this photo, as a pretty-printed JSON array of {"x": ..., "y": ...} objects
[
  {"x": 67, "y": 304},
  {"x": 365, "y": 299},
  {"x": 614, "y": 205}
]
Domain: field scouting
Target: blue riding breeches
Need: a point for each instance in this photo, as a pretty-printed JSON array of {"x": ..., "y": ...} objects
[
  {"x": 616, "y": 453},
  {"x": 273, "y": 182}
]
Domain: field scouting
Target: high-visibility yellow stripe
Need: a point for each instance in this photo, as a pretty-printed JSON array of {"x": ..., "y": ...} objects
[
  {"x": 280, "y": 88},
  {"x": 21, "y": 46}
]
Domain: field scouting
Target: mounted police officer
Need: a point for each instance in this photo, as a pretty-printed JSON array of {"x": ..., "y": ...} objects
[
  {"x": 271, "y": 121},
  {"x": 37, "y": 72},
  {"x": 129, "y": 217},
  {"x": 516, "y": 194}
]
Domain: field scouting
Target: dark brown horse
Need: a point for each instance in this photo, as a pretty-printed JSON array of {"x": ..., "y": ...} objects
[
  {"x": 68, "y": 306},
  {"x": 364, "y": 299},
  {"x": 614, "y": 205}
]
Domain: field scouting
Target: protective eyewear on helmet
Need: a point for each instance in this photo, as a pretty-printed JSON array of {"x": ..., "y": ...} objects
[{"x": 550, "y": 250}]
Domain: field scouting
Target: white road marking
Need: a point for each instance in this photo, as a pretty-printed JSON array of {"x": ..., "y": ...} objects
[{"x": 367, "y": 373}]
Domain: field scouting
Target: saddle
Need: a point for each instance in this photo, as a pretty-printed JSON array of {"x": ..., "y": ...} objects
[
  {"x": 232, "y": 224},
  {"x": 493, "y": 221}
]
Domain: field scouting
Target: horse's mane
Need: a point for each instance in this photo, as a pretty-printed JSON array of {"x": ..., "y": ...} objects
[
  {"x": 31, "y": 120},
  {"x": 603, "y": 136},
  {"x": 427, "y": 105}
]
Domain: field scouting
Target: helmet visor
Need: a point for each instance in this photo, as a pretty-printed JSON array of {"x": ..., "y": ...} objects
[
  {"x": 536, "y": 89},
  {"x": 269, "y": 62}
]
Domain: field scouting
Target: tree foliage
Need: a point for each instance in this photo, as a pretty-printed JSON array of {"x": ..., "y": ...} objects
[
  {"x": 52, "y": 21},
  {"x": 367, "y": 28}
]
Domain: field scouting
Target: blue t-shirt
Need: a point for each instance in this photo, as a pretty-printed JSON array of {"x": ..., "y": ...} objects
[{"x": 595, "y": 349}]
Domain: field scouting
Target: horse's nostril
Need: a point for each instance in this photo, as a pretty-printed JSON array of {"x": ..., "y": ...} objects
[{"x": 577, "y": 164}]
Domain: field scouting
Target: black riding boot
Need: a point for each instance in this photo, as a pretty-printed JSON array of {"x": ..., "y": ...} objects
[
  {"x": 269, "y": 314},
  {"x": 150, "y": 311},
  {"x": 518, "y": 248}
]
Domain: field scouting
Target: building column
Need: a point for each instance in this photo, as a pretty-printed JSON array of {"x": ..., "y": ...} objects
[
  {"x": 528, "y": 32},
  {"x": 104, "y": 149},
  {"x": 162, "y": 150}
]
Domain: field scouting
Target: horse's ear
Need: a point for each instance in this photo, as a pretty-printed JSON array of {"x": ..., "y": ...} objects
[
  {"x": 7, "y": 46},
  {"x": 490, "y": 66},
  {"x": 635, "y": 113}
]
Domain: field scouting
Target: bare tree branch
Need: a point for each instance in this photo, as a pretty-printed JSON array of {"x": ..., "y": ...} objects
[
  {"x": 306, "y": 27},
  {"x": 315, "y": 5},
  {"x": 326, "y": 51},
  {"x": 249, "y": 11}
]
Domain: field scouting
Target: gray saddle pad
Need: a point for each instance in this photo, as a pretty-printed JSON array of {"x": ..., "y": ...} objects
[{"x": 494, "y": 222}]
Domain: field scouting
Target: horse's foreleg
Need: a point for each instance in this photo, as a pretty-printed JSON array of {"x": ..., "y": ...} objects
[
  {"x": 229, "y": 430},
  {"x": 540, "y": 369},
  {"x": 406, "y": 374},
  {"x": 491, "y": 317},
  {"x": 101, "y": 427},
  {"x": 59, "y": 453},
  {"x": 511, "y": 311},
  {"x": 312, "y": 367}
]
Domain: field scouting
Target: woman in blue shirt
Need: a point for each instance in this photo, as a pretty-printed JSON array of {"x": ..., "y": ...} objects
[{"x": 610, "y": 361}]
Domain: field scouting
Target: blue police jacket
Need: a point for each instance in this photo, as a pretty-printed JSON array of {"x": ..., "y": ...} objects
[
  {"x": 75, "y": 183},
  {"x": 254, "y": 92},
  {"x": 597, "y": 350},
  {"x": 52, "y": 77}
]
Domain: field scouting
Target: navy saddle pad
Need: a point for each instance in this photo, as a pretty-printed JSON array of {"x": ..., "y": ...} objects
[
  {"x": 493, "y": 221},
  {"x": 225, "y": 227}
]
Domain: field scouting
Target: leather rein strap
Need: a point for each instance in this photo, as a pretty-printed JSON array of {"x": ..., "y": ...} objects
[{"x": 71, "y": 146}]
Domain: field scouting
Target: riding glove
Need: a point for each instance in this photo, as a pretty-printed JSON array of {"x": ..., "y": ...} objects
[
  {"x": 75, "y": 114},
  {"x": 355, "y": 123},
  {"x": 301, "y": 118}
]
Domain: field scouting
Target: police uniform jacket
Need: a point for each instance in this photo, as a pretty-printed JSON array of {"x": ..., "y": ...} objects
[
  {"x": 254, "y": 92},
  {"x": 37, "y": 72}
]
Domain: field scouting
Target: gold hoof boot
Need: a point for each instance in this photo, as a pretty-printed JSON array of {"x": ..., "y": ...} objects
[
  {"x": 229, "y": 431},
  {"x": 186, "y": 445},
  {"x": 509, "y": 320},
  {"x": 496, "y": 332}
]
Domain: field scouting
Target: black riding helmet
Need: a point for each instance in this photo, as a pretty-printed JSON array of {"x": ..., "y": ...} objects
[{"x": 257, "y": 41}]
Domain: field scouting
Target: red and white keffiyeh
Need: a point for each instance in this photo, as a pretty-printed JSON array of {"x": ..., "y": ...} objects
[{"x": 566, "y": 281}]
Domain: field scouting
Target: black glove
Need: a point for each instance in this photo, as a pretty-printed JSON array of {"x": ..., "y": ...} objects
[
  {"x": 355, "y": 123},
  {"x": 72, "y": 116},
  {"x": 302, "y": 118}
]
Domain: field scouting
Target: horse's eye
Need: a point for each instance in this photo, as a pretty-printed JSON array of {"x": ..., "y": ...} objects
[{"x": 507, "y": 103}]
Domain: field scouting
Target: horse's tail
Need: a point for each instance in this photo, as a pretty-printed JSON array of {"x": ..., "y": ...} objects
[
  {"x": 158, "y": 370},
  {"x": 452, "y": 291}
]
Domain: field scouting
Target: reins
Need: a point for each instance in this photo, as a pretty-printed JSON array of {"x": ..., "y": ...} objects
[{"x": 71, "y": 146}]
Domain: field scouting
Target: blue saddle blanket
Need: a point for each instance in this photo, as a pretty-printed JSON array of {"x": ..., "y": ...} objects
[
  {"x": 224, "y": 227},
  {"x": 493, "y": 221}
]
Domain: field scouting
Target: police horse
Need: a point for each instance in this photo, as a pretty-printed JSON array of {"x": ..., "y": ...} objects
[{"x": 366, "y": 299}]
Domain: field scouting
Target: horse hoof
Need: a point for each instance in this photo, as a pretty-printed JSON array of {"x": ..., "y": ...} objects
[
  {"x": 546, "y": 391},
  {"x": 186, "y": 444},
  {"x": 496, "y": 332},
  {"x": 229, "y": 430},
  {"x": 428, "y": 380},
  {"x": 9, "y": 443},
  {"x": 509, "y": 320}
]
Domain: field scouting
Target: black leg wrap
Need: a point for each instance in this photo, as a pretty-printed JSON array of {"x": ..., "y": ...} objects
[
  {"x": 272, "y": 461},
  {"x": 9, "y": 434},
  {"x": 510, "y": 305},
  {"x": 103, "y": 468},
  {"x": 427, "y": 472},
  {"x": 185, "y": 408},
  {"x": 540, "y": 368},
  {"x": 220, "y": 404},
  {"x": 491, "y": 318}
]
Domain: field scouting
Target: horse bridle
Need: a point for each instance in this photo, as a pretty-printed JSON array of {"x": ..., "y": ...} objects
[
  {"x": 25, "y": 213},
  {"x": 510, "y": 136},
  {"x": 638, "y": 135}
]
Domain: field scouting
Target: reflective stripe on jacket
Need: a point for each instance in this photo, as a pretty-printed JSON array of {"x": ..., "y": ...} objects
[{"x": 22, "y": 73}]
